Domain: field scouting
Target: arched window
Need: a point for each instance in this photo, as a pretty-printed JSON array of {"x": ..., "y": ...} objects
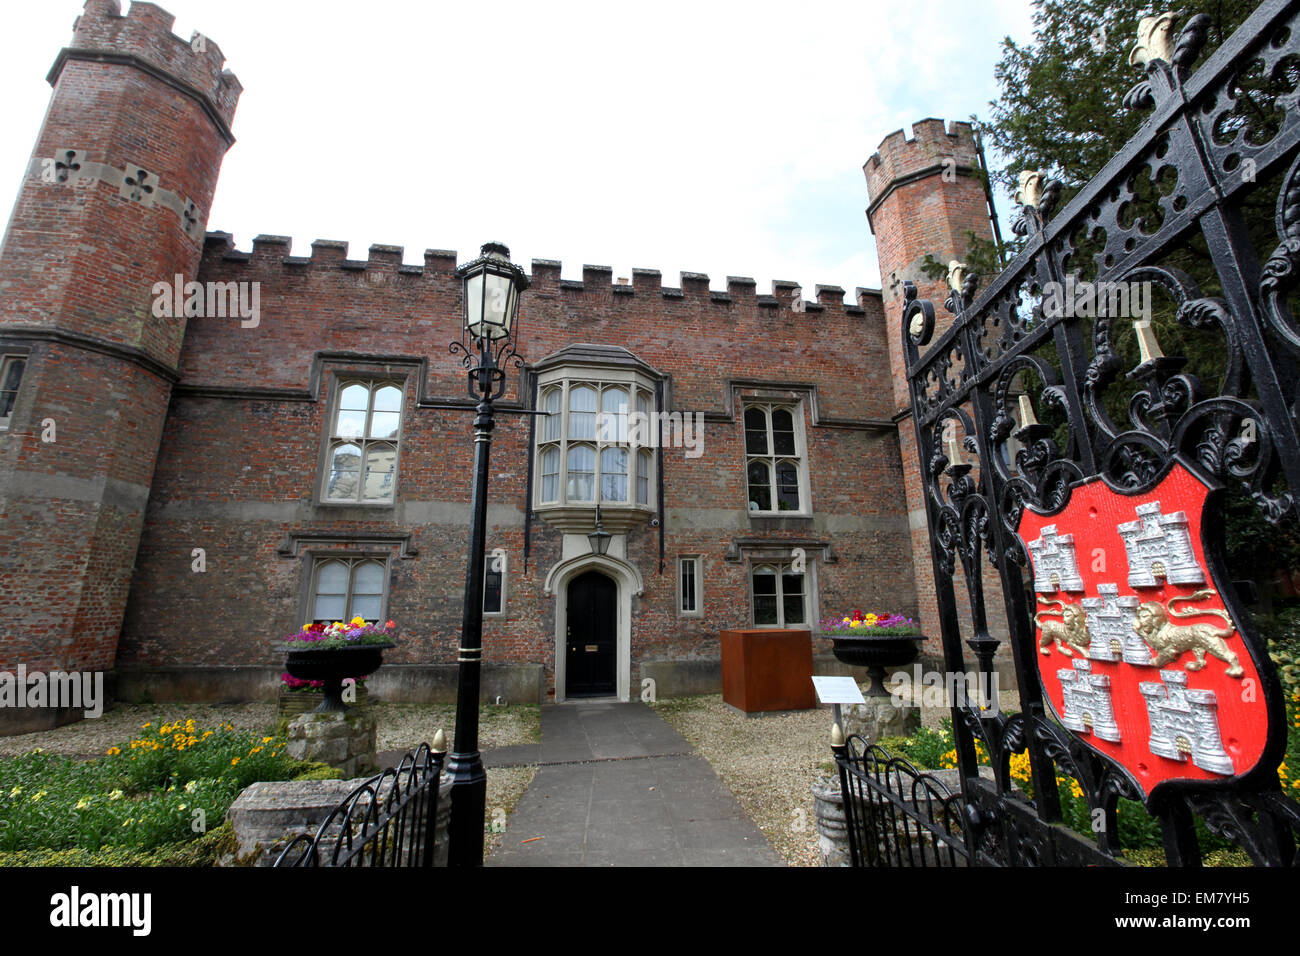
[
  {"x": 775, "y": 468},
  {"x": 779, "y": 595},
  {"x": 582, "y": 473},
  {"x": 592, "y": 443},
  {"x": 345, "y": 588},
  {"x": 364, "y": 435}
]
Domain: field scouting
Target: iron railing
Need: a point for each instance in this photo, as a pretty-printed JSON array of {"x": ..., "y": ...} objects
[
  {"x": 1181, "y": 184},
  {"x": 896, "y": 815},
  {"x": 390, "y": 820}
]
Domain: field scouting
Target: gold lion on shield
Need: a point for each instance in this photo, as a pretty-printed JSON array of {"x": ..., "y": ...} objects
[
  {"x": 1070, "y": 631},
  {"x": 1171, "y": 641}
]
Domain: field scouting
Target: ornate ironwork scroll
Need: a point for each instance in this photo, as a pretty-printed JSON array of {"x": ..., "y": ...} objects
[{"x": 1059, "y": 444}]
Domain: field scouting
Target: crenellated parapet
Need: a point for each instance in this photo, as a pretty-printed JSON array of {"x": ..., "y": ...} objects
[
  {"x": 272, "y": 252},
  {"x": 934, "y": 148},
  {"x": 144, "y": 38}
]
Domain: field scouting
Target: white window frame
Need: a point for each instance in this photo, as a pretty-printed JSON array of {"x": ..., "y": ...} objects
[
  {"x": 505, "y": 574},
  {"x": 698, "y": 561},
  {"x": 7, "y": 361},
  {"x": 353, "y": 561},
  {"x": 780, "y": 569},
  {"x": 771, "y": 459},
  {"x": 333, "y": 440},
  {"x": 562, "y": 382}
]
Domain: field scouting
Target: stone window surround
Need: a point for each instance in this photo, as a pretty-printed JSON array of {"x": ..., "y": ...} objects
[
  {"x": 698, "y": 559},
  {"x": 781, "y": 552},
  {"x": 505, "y": 577},
  {"x": 796, "y": 404},
  {"x": 340, "y": 378},
  {"x": 317, "y": 546},
  {"x": 782, "y": 568},
  {"x": 314, "y": 560},
  {"x": 7, "y": 358},
  {"x": 580, "y": 515}
]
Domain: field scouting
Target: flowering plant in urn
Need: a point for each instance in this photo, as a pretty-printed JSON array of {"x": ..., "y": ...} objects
[
  {"x": 871, "y": 624},
  {"x": 330, "y": 653},
  {"x": 875, "y": 640}
]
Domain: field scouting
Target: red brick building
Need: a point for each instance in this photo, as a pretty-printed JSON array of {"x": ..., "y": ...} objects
[{"x": 177, "y": 492}]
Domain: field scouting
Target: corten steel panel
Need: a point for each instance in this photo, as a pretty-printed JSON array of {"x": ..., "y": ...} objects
[{"x": 767, "y": 670}]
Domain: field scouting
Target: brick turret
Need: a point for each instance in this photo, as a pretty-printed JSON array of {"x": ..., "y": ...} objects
[
  {"x": 114, "y": 201},
  {"x": 925, "y": 197}
]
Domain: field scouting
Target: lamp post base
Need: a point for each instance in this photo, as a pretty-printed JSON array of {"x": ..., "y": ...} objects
[{"x": 468, "y": 809}]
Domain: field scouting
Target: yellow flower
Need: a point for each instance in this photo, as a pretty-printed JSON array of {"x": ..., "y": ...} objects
[
  {"x": 233, "y": 761},
  {"x": 83, "y": 803},
  {"x": 115, "y": 795},
  {"x": 146, "y": 726},
  {"x": 37, "y": 795},
  {"x": 15, "y": 791},
  {"x": 114, "y": 751},
  {"x": 266, "y": 740},
  {"x": 191, "y": 786}
]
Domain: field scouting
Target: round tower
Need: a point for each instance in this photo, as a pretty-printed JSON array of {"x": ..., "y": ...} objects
[
  {"x": 926, "y": 197},
  {"x": 114, "y": 202}
]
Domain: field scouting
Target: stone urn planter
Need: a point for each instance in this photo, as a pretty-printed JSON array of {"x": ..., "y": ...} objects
[
  {"x": 291, "y": 703},
  {"x": 332, "y": 666},
  {"x": 832, "y": 829},
  {"x": 877, "y": 653}
]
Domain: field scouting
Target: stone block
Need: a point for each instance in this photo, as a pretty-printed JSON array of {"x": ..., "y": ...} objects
[{"x": 880, "y": 718}]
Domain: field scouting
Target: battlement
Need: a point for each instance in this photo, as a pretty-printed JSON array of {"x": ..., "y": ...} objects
[
  {"x": 932, "y": 144},
  {"x": 145, "y": 34},
  {"x": 270, "y": 251}
]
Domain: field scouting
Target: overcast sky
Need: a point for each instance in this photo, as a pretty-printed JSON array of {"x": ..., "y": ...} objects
[{"x": 703, "y": 137}]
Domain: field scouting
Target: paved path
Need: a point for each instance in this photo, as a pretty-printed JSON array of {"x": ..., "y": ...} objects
[{"x": 619, "y": 787}]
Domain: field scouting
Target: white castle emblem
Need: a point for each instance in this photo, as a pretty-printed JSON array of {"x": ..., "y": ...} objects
[
  {"x": 1185, "y": 722},
  {"x": 1110, "y": 627},
  {"x": 1055, "y": 565},
  {"x": 1159, "y": 546},
  {"x": 1087, "y": 701}
]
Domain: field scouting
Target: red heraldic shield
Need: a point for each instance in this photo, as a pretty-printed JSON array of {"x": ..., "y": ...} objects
[{"x": 1137, "y": 652}]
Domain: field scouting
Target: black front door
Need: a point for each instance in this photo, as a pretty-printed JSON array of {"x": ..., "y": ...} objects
[{"x": 590, "y": 654}]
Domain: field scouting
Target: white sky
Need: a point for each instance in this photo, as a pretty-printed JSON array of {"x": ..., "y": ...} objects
[{"x": 703, "y": 137}]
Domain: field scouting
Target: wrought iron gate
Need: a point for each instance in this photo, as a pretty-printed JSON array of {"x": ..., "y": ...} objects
[{"x": 1124, "y": 427}]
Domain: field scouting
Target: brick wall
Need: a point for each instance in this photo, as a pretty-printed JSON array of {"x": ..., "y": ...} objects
[
  {"x": 77, "y": 270},
  {"x": 239, "y": 463}
]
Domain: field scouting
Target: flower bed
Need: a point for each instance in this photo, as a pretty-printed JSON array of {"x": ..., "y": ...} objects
[{"x": 169, "y": 785}]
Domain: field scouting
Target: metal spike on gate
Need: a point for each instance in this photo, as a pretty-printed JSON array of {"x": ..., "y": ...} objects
[
  {"x": 837, "y": 735},
  {"x": 439, "y": 742}
]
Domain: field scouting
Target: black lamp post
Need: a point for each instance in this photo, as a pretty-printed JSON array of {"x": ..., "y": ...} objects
[{"x": 492, "y": 285}]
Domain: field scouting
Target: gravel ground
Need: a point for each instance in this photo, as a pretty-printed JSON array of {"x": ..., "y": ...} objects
[
  {"x": 769, "y": 763},
  {"x": 505, "y": 785}
]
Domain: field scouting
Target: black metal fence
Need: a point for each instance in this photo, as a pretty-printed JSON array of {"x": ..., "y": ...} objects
[
  {"x": 895, "y": 815},
  {"x": 1183, "y": 196},
  {"x": 390, "y": 820}
]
